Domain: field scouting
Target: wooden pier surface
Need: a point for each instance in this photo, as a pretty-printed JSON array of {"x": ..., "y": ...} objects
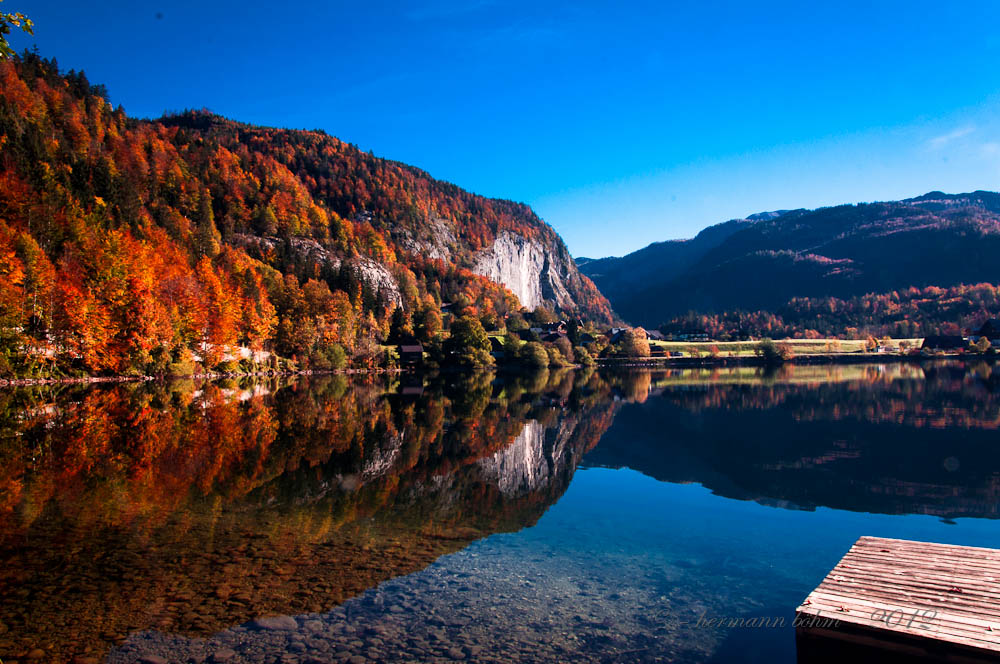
[{"x": 919, "y": 600}]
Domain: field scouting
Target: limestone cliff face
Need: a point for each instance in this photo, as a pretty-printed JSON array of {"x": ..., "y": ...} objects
[
  {"x": 368, "y": 271},
  {"x": 436, "y": 238},
  {"x": 379, "y": 278},
  {"x": 537, "y": 269},
  {"x": 537, "y": 272}
]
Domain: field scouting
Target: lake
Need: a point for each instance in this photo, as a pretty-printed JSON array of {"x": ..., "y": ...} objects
[{"x": 565, "y": 516}]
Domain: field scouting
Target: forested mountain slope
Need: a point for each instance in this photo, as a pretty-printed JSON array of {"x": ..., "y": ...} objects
[
  {"x": 765, "y": 261},
  {"x": 133, "y": 246}
]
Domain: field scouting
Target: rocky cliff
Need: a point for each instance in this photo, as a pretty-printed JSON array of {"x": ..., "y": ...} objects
[
  {"x": 418, "y": 220},
  {"x": 536, "y": 273},
  {"x": 166, "y": 237}
]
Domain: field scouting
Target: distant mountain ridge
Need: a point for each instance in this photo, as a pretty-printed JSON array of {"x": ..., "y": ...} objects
[{"x": 766, "y": 259}]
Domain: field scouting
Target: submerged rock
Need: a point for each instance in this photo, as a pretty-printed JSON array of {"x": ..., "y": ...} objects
[{"x": 275, "y": 623}]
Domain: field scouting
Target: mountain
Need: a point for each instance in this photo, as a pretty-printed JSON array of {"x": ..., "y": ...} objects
[
  {"x": 135, "y": 246},
  {"x": 764, "y": 261}
]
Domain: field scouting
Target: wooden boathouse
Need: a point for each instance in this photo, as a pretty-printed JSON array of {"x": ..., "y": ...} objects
[{"x": 891, "y": 600}]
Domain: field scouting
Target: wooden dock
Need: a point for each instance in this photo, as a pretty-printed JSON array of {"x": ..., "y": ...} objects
[{"x": 891, "y": 600}]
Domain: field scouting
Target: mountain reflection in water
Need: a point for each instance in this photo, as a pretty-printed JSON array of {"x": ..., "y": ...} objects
[
  {"x": 894, "y": 439},
  {"x": 185, "y": 509},
  {"x": 188, "y": 508}
]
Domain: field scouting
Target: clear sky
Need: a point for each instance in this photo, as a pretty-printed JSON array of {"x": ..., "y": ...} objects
[{"x": 620, "y": 123}]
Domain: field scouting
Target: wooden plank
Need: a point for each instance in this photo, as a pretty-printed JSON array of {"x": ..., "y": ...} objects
[
  {"x": 863, "y": 611},
  {"x": 882, "y": 577}
]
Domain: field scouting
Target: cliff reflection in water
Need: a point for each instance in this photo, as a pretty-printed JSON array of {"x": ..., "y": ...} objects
[
  {"x": 893, "y": 439},
  {"x": 188, "y": 508}
]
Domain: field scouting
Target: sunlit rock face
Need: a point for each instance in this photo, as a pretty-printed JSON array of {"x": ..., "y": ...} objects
[
  {"x": 378, "y": 277},
  {"x": 368, "y": 271},
  {"x": 433, "y": 239},
  {"x": 534, "y": 272}
]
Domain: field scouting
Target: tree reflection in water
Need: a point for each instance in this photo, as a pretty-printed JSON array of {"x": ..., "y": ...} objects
[{"x": 191, "y": 507}]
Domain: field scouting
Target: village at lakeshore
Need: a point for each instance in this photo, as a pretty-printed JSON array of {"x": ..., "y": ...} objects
[{"x": 631, "y": 346}]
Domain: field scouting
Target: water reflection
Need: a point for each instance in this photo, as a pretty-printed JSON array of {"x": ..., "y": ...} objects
[
  {"x": 188, "y": 508},
  {"x": 159, "y": 516},
  {"x": 895, "y": 439}
]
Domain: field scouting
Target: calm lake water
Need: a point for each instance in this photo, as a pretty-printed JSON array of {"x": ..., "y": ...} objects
[{"x": 560, "y": 517}]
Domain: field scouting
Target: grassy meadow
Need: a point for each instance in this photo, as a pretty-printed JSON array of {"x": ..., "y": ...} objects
[{"x": 797, "y": 346}]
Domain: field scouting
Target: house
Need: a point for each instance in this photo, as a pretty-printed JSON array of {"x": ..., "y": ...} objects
[
  {"x": 944, "y": 342},
  {"x": 587, "y": 338},
  {"x": 614, "y": 335},
  {"x": 411, "y": 353},
  {"x": 546, "y": 328},
  {"x": 553, "y": 336},
  {"x": 655, "y": 335},
  {"x": 692, "y": 335}
]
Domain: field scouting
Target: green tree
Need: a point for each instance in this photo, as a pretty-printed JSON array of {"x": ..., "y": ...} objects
[
  {"x": 582, "y": 356},
  {"x": 399, "y": 327},
  {"x": 468, "y": 343},
  {"x": 511, "y": 346},
  {"x": 10, "y": 20},
  {"x": 534, "y": 355},
  {"x": 267, "y": 221},
  {"x": 208, "y": 237},
  {"x": 573, "y": 331},
  {"x": 772, "y": 354},
  {"x": 516, "y": 323},
  {"x": 543, "y": 314},
  {"x": 565, "y": 348}
]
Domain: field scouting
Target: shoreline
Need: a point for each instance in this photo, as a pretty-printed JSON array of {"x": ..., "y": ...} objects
[
  {"x": 824, "y": 359},
  {"x": 207, "y": 375},
  {"x": 599, "y": 363}
]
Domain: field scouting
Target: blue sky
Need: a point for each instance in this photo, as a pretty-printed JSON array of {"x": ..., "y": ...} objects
[{"x": 620, "y": 123}]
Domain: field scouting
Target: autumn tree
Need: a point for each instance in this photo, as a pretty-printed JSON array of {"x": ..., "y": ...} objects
[
  {"x": 428, "y": 323},
  {"x": 634, "y": 343},
  {"x": 565, "y": 348}
]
